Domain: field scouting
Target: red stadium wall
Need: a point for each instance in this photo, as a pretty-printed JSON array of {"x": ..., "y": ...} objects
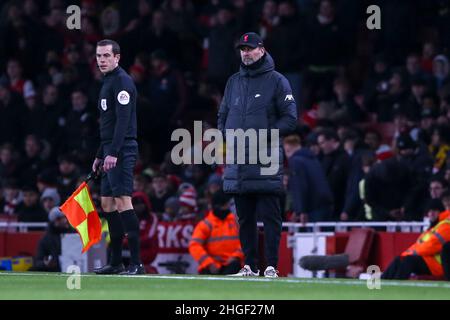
[{"x": 19, "y": 243}]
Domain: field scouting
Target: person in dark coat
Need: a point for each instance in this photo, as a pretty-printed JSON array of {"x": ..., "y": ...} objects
[
  {"x": 257, "y": 97},
  {"x": 393, "y": 186},
  {"x": 336, "y": 163},
  {"x": 311, "y": 194},
  {"x": 31, "y": 210},
  {"x": 49, "y": 247},
  {"x": 11, "y": 109}
]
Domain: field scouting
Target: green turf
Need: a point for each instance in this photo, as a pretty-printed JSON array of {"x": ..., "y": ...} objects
[{"x": 53, "y": 286}]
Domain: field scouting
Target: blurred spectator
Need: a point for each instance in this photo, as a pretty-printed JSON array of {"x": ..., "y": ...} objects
[
  {"x": 68, "y": 175},
  {"x": 75, "y": 71},
  {"x": 159, "y": 36},
  {"x": 12, "y": 197},
  {"x": 345, "y": 108},
  {"x": 14, "y": 76},
  {"x": 394, "y": 98},
  {"x": 415, "y": 100},
  {"x": 171, "y": 209},
  {"x": 426, "y": 126},
  {"x": 90, "y": 29},
  {"x": 167, "y": 96},
  {"x": 394, "y": 186},
  {"x": 324, "y": 38},
  {"x": 160, "y": 193},
  {"x": 197, "y": 175},
  {"x": 141, "y": 184},
  {"x": 222, "y": 61},
  {"x": 428, "y": 53},
  {"x": 214, "y": 184},
  {"x": 31, "y": 210},
  {"x": 311, "y": 194},
  {"x": 50, "y": 198},
  {"x": 399, "y": 28},
  {"x": 33, "y": 115},
  {"x": 51, "y": 127},
  {"x": 110, "y": 22},
  {"x": 357, "y": 153},
  {"x": 373, "y": 140},
  {"x": 180, "y": 20},
  {"x": 188, "y": 206},
  {"x": 361, "y": 210},
  {"x": 47, "y": 178},
  {"x": 32, "y": 163},
  {"x": 440, "y": 71},
  {"x": 376, "y": 82},
  {"x": 336, "y": 164},
  {"x": 8, "y": 162},
  {"x": 437, "y": 187},
  {"x": 413, "y": 67},
  {"x": 285, "y": 44},
  {"x": 439, "y": 147},
  {"x": 81, "y": 128},
  {"x": 269, "y": 18},
  {"x": 49, "y": 247},
  {"x": 11, "y": 109},
  {"x": 148, "y": 223}
]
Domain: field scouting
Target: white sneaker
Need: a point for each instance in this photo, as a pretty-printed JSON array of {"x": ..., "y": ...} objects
[
  {"x": 246, "y": 271},
  {"x": 270, "y": 272}
]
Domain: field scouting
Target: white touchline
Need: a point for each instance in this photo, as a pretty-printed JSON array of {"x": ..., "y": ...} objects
[{"x": 386, "y": 283}]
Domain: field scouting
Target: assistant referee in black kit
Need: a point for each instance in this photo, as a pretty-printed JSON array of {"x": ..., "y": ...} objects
[{"x": 117, "y": 155}]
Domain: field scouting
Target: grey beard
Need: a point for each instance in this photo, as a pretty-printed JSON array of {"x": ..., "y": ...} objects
[{"x": 248, "y": 61}]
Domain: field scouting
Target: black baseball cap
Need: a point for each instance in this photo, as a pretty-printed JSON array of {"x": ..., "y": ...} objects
[{"x": 250, "y": 39}]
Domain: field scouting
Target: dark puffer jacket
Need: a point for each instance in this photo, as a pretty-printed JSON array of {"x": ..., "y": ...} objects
[{"x": 257, "y": 97}]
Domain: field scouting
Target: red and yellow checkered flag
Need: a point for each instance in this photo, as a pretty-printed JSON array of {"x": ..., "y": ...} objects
[{"x": 82, "y": 215}]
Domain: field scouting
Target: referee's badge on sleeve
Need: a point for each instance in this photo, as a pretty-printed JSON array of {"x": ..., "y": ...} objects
[
  {"x": 123, "y": 97},
  {"x": 103, "y": 104}
]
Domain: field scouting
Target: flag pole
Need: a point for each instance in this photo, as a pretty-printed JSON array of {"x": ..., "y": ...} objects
[{"x": 93, "y": 175}]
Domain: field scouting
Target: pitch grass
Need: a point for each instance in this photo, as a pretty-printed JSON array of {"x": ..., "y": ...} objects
[{"x": 45, "y": 286}]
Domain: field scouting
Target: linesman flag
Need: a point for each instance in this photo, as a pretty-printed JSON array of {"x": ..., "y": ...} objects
[{"x": 82, "y": 215}]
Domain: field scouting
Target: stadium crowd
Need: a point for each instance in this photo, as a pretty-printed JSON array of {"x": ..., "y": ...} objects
[{"x": 373, "y": 136}]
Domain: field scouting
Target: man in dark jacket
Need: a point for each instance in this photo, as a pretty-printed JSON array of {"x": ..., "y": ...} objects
[
  {"x": 308, "y": 185},
  {"x": 49, "y": 247},
  {"x": 255, "y": 98},
  {"x": 393, "y": 186},
  {"x": 336, "y": 163}
]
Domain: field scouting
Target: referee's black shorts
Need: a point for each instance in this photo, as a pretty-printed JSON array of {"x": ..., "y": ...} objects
[{"x": 119, "y": 180}]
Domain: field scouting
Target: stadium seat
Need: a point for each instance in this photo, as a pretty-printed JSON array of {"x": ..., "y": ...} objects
[
  {"x": 352, "y": 262},
  {"x": 359, "y": 245}
]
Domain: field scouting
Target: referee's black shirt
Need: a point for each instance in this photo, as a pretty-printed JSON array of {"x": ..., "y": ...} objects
[{"x": 117, "y": 105}]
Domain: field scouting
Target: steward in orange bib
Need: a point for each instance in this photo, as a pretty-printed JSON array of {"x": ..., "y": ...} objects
[
  {"x": 215, "y": 241},
  {"x": 425, "y": 256}
]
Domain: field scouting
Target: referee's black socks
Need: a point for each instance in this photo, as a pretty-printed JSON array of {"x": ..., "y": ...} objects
[
  {"x": 116, "y": 233},
  {"x": 131, "y": 225}
]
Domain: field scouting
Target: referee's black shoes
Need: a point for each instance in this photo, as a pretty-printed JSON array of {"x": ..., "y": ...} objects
[
  {"x": 109, "y": 269},
  {"x": 134, "y": 270}
]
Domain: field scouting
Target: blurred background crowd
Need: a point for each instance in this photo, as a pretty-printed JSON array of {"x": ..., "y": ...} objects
[{"x": 374, "y": 105}]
